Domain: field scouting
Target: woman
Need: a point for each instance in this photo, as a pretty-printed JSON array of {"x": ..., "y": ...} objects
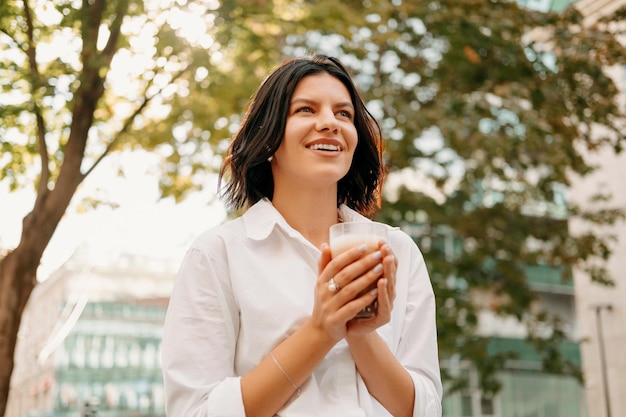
[{"x": 253, "y": 327}]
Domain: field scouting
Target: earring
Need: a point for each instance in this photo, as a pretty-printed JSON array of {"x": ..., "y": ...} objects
[{"x": 270, "y": 158}]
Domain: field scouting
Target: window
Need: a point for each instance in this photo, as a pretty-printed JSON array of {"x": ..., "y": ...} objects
[
  {"x": 539, "y": 5},
  {"x": 486, "y": 406}
]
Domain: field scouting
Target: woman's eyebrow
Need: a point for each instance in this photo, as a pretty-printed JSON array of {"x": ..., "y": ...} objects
[
  {"x": 302, "y": 100},
  {"x": 310, "y": 101}
]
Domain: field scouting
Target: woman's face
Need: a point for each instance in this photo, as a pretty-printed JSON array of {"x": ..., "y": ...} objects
[{"x": 320, "y": 136}]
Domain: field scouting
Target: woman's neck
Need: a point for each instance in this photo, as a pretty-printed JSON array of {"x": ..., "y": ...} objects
[{"x": 311, "y": 214}]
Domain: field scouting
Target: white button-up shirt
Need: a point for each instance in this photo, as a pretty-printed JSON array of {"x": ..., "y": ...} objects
[{"x": 246, "y": 285}]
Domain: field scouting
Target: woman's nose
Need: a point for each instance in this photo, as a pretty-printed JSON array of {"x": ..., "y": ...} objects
[{"x": 326, "y": 120}]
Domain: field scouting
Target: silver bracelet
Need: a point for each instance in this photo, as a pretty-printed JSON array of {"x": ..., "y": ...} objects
[{"x": 285, "y": 373}]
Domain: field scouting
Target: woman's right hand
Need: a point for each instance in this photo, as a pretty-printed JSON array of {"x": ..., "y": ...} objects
[{"x": 353, "y": 271}]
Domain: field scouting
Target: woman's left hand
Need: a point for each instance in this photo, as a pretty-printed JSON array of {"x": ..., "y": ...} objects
[{"x": 386, "y": 287}]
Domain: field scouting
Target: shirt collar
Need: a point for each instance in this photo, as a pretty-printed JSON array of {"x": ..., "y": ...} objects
[
  {"x": 260, "y": 219},
  {"x": 346, "y": 214}
]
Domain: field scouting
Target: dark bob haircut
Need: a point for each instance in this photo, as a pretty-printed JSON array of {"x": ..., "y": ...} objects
[{"x": 263, "y": 129}]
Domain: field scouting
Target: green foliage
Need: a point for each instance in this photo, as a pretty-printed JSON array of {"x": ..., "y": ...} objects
[{"x": 485, "y": 107}]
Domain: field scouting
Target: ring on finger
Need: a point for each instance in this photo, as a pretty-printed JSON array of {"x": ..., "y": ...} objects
[{"x": 332, "y": 285}]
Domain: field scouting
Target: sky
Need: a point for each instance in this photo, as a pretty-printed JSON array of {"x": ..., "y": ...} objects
[{"x": 141, "y": 225}]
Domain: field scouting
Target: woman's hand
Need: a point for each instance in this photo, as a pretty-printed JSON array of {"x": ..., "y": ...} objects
[
  {"x": 386, "y": 289},
  {"x": 353, "y": 271}
]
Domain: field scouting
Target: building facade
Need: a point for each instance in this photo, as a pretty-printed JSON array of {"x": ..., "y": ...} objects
[
  {"x": 526, "y": 389},
  {"x": 90, "y": 341},
  {"x": 595, "y": 314},
  {"x": 601, "y": 310},
  {"x": 90, "y": 337}
]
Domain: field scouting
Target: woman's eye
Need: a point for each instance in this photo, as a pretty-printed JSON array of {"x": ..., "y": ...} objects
[
  {"x": 345, "y": 113},
  {"x": 304, "y": 109}
]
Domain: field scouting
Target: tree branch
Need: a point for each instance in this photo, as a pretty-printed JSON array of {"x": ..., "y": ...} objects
[
  {"x": 115, "y": 29},
  {"x": 86, "y": 97},
  {"x": 12, "y": 38},
  {"x": 36, "y": 83},
  {"x": 129, "y": 121},
  {"x": 105, "y": 60}
]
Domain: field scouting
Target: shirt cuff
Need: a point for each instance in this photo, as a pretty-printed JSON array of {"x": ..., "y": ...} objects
[
  {"x": 225, "y": 399},
  {"x": 427, "y": 400}
]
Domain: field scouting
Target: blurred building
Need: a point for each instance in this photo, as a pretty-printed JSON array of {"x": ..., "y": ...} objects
[
  {"x": 526, "y": 389},
  {"x": 601, "y": 309},
  {"x": 90, "y": 336},
  {"x": 89, "y": 342},
  {"x": 594, "y": 318}
]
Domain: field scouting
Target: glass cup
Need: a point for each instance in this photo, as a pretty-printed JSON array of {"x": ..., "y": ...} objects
[{"x": 346, "y": 235}]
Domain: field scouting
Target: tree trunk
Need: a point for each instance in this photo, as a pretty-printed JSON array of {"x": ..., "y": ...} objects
[
  {"x": 17, "y": 280},
  {"x": 18, "y": 269}
]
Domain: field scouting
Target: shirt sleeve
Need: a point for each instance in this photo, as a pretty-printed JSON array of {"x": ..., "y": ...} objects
[
  {"x": 415, "y": 330},
  {"x": 199, "y": 340}
]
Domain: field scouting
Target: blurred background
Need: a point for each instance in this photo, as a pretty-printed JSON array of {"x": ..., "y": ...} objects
[{"x": 504, "y": 126}]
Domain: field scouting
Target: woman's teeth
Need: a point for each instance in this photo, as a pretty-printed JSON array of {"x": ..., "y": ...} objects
[{"x": 324, "y": 147}]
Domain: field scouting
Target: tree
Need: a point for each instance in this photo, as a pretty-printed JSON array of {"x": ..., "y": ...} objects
[
  {"x": 488, "y": 109},
  {"x": 64, "y": 111},
  {"x": 483, "y": 104}
]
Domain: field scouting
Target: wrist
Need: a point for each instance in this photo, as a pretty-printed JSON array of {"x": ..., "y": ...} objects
[
  {"x": 360, "y": 338},
  {"x": 318, "y": 336}
]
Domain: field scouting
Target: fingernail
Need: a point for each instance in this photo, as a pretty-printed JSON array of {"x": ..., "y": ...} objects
[
  {"x": 374, "y": 291},
  {"x": 377, "y": 254},
  {"x": 362, "y": 247},
  {"x": 378, "y": 268}
]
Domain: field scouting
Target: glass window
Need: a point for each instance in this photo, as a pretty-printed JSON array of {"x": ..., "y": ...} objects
[
  {"x": 121, "y": 355},
  {"x": 486, "y": 406},
  {"x": 108, "y": 354},
  {"x": 532, "y": 393},
  {"x": 158, "y": 396},
  {"x": 524, "y": 393},
  {"x": 149, "y": 356},
  {"x": 540, "y": 5},
  {"x": 112, "y": 395},
  {"x": 94, "y": 358},
  {"x": 466, "y": 405},
  {"x": 78, "y": 354},
  {"x": 134, "y": 354}
]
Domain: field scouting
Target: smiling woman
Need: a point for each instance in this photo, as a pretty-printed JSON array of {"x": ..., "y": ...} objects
[
  {"x": 263, "y": 320},
  {"x": 319, "y": 141},
  {"x": 265, "y": 124}
]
